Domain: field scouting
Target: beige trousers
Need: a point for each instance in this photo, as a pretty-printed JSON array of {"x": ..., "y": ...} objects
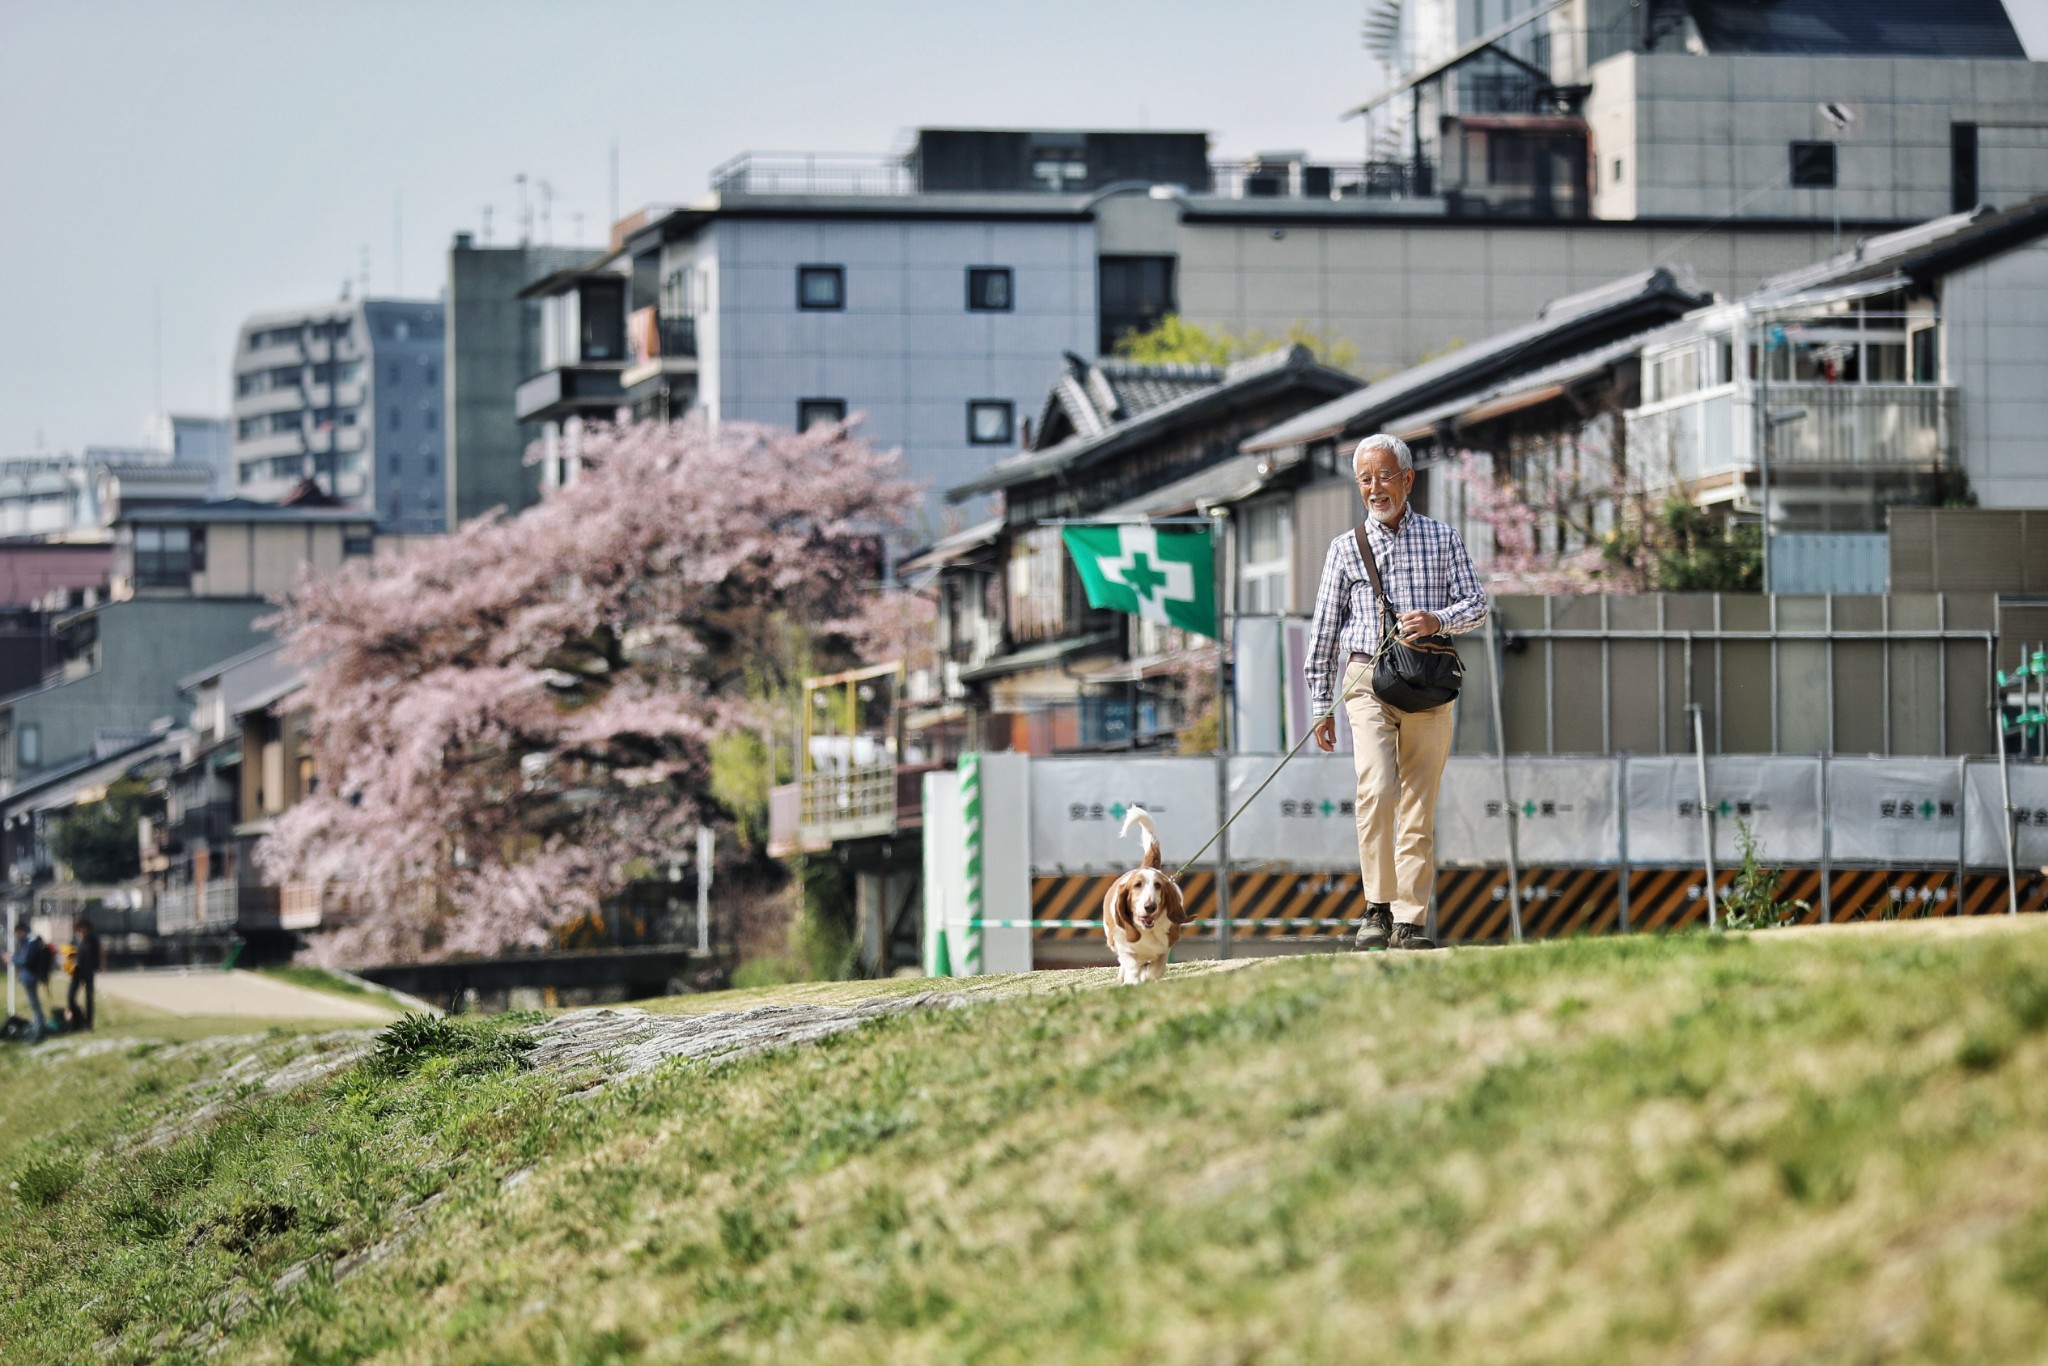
[{"x": 1400, "y": 757}]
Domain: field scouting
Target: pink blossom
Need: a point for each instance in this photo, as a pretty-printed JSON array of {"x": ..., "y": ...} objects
[{"x": 506, "y": 719}]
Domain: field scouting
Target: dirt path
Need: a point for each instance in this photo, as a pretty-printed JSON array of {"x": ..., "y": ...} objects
[{"x": 237, "y": 995}]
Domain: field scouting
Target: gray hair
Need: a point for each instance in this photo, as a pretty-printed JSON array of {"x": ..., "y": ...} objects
[{"x": 1383, "y": 441}]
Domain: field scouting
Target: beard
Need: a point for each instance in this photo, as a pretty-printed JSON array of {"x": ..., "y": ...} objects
[{"x": 1385, "y": 516}]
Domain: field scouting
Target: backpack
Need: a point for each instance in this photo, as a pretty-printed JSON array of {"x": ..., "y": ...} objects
[{"x": 41, "y": 958}]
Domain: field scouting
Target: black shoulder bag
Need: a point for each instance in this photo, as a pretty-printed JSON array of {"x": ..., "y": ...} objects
[{"x": 1409, "y": 676}]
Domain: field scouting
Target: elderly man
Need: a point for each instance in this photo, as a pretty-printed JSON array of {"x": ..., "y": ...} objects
[{"x": 1400, "y": 755}]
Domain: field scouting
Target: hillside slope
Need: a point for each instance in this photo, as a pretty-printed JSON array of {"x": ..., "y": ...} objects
[{"x": 1781, "y": 1147}]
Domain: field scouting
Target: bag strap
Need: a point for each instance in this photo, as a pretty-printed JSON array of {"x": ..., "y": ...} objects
[{"x": 1372, "y": 568}]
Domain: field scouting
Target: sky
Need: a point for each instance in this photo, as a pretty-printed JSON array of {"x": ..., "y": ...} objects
[{"x": 168, "y": 168}]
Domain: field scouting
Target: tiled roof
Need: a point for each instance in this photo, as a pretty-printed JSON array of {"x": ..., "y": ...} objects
[
  {"x": 1229, "y": 384},
  {"x": 1564, "y": 327}
]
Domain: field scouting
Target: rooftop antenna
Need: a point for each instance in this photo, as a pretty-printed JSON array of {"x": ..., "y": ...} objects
[
  {"x": 525, "y": 212},
  {"x": 547, "y": 210},
  {"x": 487, "y": 225},
  {"x": 576, "y": 223}
]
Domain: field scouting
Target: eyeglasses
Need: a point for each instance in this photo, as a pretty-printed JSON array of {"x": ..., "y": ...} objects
[{"x": 1381, "y": 480}]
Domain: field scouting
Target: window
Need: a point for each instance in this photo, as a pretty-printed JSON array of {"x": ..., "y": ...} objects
[
  {"x": 1962, "y": 167},
  {"x": 991, "y": 422},
  {"x": 394, "y": 462},
  {"x": 811, "y": 411},
  {"x": 988, "y": 289},
  {"x": 168, "y": 556},
  {"x": 431, "y": 418},
  {"x": 394, "y": 373},
  {"x": 1617, "y": 170},
  {"x": 29, "y": 740},
  {"x": 433, "y": 466},
  {"x": 1813, "y": 165},
  {"x": 1262, "y": 555},
  {"x": 821, "y": 287},
  {"x": 429, "y": 373},
  {"x": 602, "y": 319},
  {"x": 397, "y": 420},
  {"x": 1135, "y": 292},
  {"x": 1926, "y": 357}
]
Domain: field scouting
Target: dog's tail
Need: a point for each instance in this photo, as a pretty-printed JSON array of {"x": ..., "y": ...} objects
[{"x": 1137, "y": 816}]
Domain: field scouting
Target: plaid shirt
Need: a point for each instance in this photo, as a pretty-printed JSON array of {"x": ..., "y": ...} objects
[{"x": 1426, "y": 569}]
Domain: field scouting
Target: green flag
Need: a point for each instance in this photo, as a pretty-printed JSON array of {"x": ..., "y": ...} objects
[{"x": 1163, "y": 576}]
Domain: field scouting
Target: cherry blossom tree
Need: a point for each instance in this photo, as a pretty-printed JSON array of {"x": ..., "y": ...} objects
[{"x": 508, "y": 721}]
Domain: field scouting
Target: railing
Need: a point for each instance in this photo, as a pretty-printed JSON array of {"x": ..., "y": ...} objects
[
  {"x": 1322, "y": 180},
  {"x": 823, "y": 173},
  {"x": 1844, "y": 425},
  {"x": 860, "y": 803},
  {"x": 678, "y": 336},
  {"x": 1863, "y": 424},
  {"x": 812, "y": 173}
]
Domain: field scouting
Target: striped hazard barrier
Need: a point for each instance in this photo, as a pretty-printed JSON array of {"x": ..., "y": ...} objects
[
  {"x": 1069, "y": 906},
  {"x": 1473, "y": 906}
]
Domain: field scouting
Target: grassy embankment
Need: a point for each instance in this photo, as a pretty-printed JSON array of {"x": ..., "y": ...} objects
[{"x": 1789, "y": 1146}]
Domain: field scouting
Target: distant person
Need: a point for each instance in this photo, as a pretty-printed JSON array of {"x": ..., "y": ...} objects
[
  {"x": 32, "y": 968},
  {"x": 86, "y": 960}
]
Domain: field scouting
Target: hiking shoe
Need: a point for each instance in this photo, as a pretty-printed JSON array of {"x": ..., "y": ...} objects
[
  {"x": 1374, "y": 926},
  {"x": 1411, "y": 937}
]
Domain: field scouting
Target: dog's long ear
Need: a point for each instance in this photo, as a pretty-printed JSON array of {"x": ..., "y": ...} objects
[
  {"x": 1116, "y": 908},
  {"x": 1176, "y": 903}
]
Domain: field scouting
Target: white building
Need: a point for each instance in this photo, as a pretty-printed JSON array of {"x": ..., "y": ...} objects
[{"x": 350, "y": 396}]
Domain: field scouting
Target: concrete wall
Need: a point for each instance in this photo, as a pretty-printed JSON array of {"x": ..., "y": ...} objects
[
  {"x": 145, "y": 647},
  {"x": 493, "y": 343},
  {"x": 906, "y": 350},
  {"x": 1995, "y": 324},
  {"x": 245, "y": 560},
  {"x": 1403, "y": 290},
  {"x": 1700, "y": 136}
]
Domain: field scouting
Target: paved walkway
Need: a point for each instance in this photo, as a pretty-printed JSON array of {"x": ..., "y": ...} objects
[{"x": 209, "y": 991}]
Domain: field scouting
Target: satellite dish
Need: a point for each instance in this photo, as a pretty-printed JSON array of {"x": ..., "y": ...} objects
[{"x": 1840, "y": 115}]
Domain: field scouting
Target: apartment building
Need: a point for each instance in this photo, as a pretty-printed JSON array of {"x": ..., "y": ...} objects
[
  {"x": 351, "y": 397},
  {"x": 493, "y": 343}
]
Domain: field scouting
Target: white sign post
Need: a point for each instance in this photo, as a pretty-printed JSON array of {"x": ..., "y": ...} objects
[{"x": 704, "y": 889}]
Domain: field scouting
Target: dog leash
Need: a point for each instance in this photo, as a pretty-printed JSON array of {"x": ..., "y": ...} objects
[{"x": 1349, "y": 679}]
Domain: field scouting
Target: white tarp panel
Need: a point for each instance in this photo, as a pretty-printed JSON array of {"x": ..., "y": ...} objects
[
  {"x": 1006, "y": 783},
  {"x": 1778, "y": 797},
  {"x": 1567, "y": 812},
  {"x": 1907, "y": 812},
  {"x": 945, "y": 871},
  {"x": 1985, "y": 802},
  {"x": 1258, "y": 660},
  {"x": 1304, "y": 818},
  {"x": 1077, "y": 807}
]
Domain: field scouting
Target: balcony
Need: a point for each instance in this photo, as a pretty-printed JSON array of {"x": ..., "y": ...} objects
[
  {"x": 860, "y": 803},
  {"x": 1844, "y": 426},
  {"x": 570, "y": 390}
]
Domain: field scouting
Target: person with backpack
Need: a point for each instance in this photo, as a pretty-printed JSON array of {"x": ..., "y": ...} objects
[
  {"x": 86, "y": 959},
  {"x": 31, "y": 961}
]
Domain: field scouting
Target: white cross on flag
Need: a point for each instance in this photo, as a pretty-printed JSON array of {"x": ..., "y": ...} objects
[{"x": 1163, "y": 576}]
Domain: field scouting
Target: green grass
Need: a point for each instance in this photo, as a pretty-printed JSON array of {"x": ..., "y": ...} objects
[{"x": 1793, "y": 1146}]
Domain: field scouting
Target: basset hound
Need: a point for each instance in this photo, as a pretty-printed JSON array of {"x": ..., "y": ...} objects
[{"x": 1143, "y": 913}]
